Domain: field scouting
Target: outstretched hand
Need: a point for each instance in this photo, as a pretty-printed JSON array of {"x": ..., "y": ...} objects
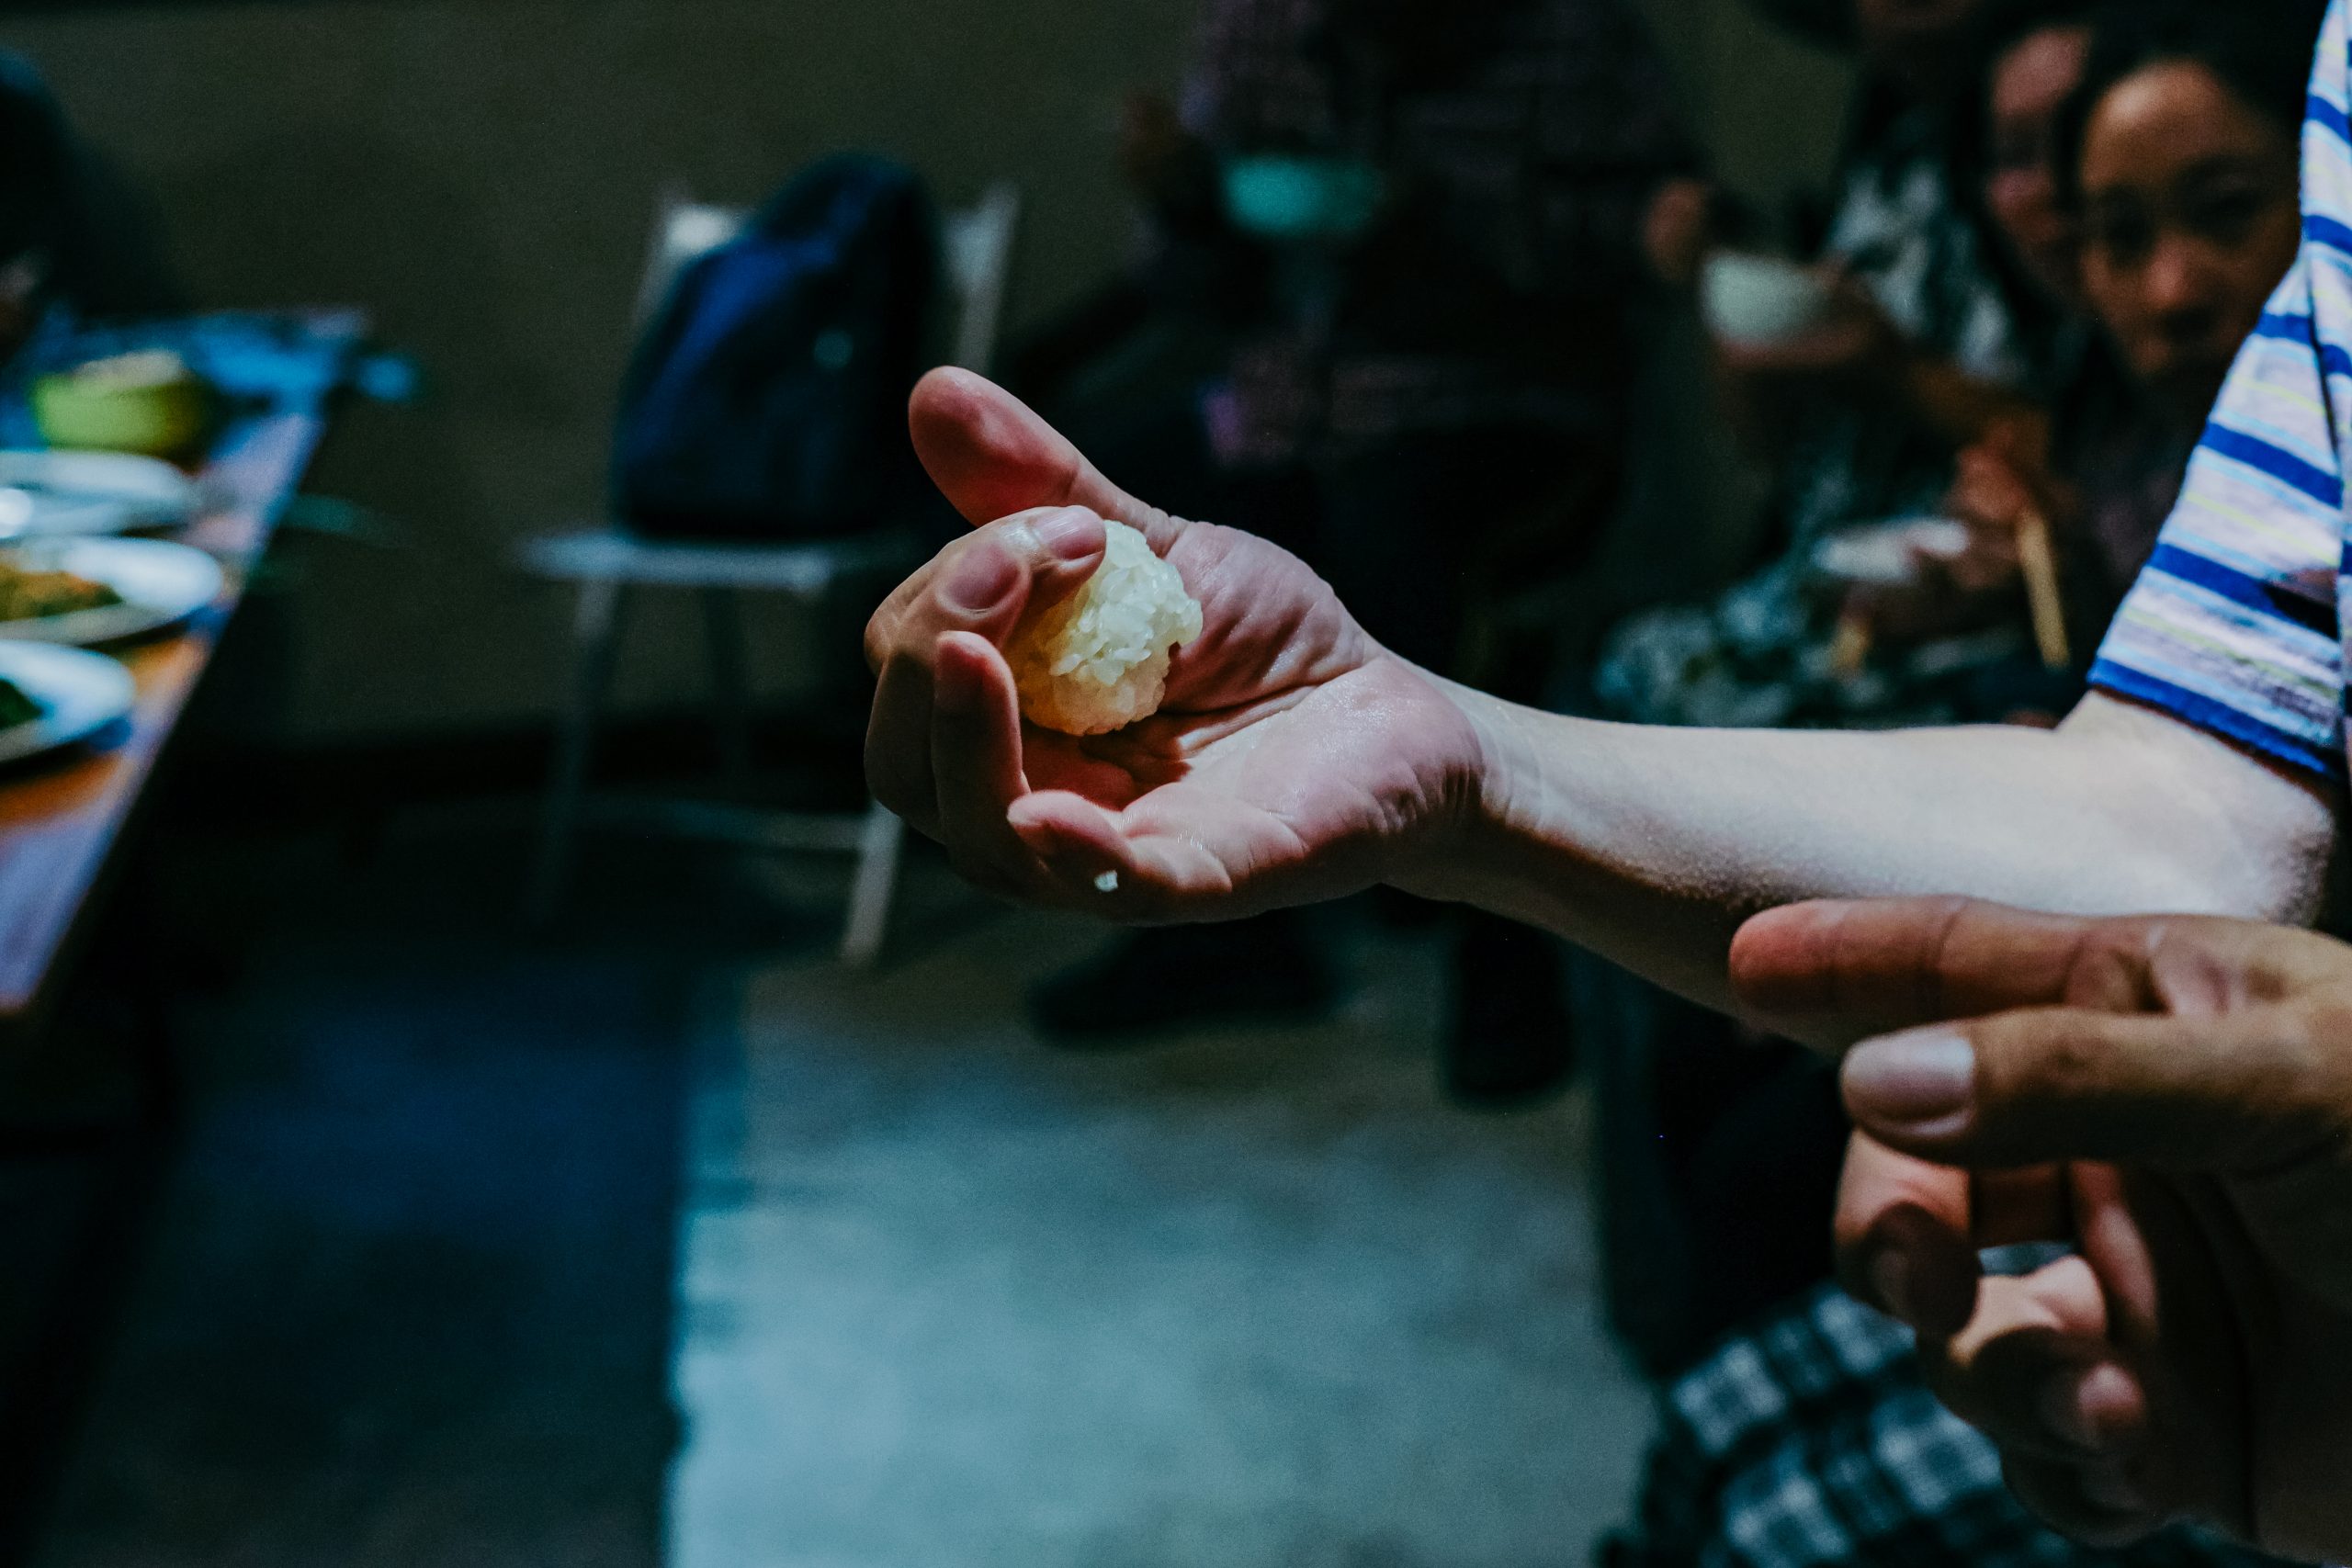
[
  {"x": 2172, "y": 1097},
  {"x": 1292, "y": 760}
]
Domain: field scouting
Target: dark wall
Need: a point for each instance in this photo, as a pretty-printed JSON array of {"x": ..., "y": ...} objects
[{"x": 483, "y": 173}]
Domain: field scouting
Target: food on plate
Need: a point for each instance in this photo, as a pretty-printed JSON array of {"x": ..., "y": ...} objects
[
  {"x": 29, "y": 593},
  {"x": 1097, "y": 660},
  {"x": 16, "y": 708},
  {"x": 128, "y": 372}
]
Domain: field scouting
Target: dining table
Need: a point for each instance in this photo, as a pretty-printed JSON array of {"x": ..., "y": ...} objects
[{"x": 68, "y": 821}]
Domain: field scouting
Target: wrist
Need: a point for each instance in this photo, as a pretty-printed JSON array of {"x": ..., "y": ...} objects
[{"x": 1456, "y": 855}]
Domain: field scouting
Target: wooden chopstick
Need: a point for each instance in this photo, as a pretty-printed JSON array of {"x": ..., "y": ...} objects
[
  {"x": 1850, "y": 654},
  {"x": 2039, "y": 562}
]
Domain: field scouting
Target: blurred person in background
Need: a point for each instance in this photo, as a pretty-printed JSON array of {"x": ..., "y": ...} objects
[
  {"x": 70, "y": 235},
  {"x": 41, "y": 240},
  {"x": 1411, "y": 235},
  {"x": 2035, "y": 53},
  {"x": 1931, "y": 340},
  {"x": 2176, "y": 153},
  {"x": 1920, "y": 344},
  {"x": 2184, "y": 228}
]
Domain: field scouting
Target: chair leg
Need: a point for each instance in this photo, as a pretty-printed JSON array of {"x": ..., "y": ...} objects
[
  {"x": 595, "y": 639},
  {"x": 722, "y": 619},
  {"x": 877, "y": 880}
]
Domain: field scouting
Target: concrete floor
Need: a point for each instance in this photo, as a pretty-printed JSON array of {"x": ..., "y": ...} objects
[
  {"x": 950, "y": 1298},
  {"x": 406, "y": 1298}
]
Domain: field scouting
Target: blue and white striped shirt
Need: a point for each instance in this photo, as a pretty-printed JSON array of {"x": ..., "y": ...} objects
[{"x": 2237, "y": 623}]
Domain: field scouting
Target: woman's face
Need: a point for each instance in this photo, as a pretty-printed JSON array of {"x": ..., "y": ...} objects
[
  {"x": 2029, "y": 84},
  {"x": 1921, "y": 44},
  {"x": 2190, "y": 217}
]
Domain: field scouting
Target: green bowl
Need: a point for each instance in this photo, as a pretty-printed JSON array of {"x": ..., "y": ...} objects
[{"x": 163, "y": 419}]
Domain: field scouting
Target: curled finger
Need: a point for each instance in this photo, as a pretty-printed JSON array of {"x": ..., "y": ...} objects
[
  {"x": 2035, "y": 1371},
  {"x": 982, "y": 586},
  {"x": 976, "y": 763},
  {"x": 898, "y": 743},
  {"x": 1115, "y": 869},
  {"x": 1904, "y": 1233}
]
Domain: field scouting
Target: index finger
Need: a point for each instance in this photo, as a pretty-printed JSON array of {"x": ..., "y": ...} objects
[
  {"x": 1908, "y": 1232},
  {"x": 1835, "y": 972},
  {"x": 1905, "y": 1235},
  {"x": 1840, "y": 972}
]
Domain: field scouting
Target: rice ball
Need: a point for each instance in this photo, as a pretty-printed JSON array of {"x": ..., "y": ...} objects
[{"x": 1097, "y": 660}]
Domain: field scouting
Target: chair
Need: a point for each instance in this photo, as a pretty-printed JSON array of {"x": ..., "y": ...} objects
[{"x": 604, "y": 563}]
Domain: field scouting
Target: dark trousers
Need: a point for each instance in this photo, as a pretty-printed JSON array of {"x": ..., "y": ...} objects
[{"x": 1718, "y": 1158}]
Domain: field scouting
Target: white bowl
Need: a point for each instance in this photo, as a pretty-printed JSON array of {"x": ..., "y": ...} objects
[
  {"x": 1889, "y": 555},
  {"x": 1762, "y": 300},
  {"x": 91, "y": 493}
]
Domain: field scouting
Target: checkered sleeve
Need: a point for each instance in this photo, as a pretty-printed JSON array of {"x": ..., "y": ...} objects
[{"x": 1813, "y": 1440}]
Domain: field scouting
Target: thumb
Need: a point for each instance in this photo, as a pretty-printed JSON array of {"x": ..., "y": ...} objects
[
  {"x": 991, "y": 456},
  {"x": 2229, "y": 1094}
]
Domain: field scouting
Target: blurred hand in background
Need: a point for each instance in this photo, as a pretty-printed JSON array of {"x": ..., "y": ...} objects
[
  {"x": 1678, "y": 230},
  {"x": 1998, "y": 482}
]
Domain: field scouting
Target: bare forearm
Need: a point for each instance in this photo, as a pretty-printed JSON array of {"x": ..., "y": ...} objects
[{"x": 1652, "y": 846}]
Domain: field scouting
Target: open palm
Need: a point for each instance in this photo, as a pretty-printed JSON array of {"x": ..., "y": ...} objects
[{"x": 1292, "y": 760}]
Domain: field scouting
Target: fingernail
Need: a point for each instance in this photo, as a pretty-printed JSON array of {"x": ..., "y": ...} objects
[
  {"x": 982, "y": 578},
  {"x": 1923, "y": 1083},
  {"x": 1070, "y": 535}
]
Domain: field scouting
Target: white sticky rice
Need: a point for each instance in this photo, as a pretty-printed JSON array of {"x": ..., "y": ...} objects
[{"x": 1097, "y": 660}]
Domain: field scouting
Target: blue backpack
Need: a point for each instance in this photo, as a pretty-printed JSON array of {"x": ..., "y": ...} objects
[{"x": 768, "y": 399}]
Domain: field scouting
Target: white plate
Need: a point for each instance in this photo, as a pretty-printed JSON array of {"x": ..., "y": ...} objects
[
  {"x": 1888, "y": 554},
  {"x": 162, "y": 584},
  {"x": 92, "y": 493},
  {"x": 40, "y": 513},
  {"x": 80, "y": 694}
]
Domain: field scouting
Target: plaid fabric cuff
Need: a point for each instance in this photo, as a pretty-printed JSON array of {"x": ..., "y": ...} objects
[{"x": 1811, "y": 1440}]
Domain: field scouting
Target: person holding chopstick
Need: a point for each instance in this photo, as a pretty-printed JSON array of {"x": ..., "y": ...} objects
[{"x": 2176, "y": 162}]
